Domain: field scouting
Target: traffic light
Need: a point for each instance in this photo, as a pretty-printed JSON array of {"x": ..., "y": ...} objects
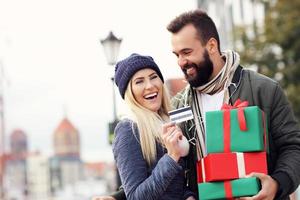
[{"x": 111, "y": 127}]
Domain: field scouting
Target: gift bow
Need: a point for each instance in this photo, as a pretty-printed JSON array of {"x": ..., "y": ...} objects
[
  {"x": 241, "y": 115},
  {"x": 241, "y": 119}
]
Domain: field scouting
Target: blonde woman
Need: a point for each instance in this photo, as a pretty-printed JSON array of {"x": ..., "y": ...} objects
[{"x": 146, "y": 147}]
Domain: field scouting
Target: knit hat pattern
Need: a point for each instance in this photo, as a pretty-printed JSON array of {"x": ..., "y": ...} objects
[{"x": 126, "y": 68}]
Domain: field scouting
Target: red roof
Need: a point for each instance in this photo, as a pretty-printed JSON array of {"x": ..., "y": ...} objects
[
  {"x": 21, "y": 156},
  {"x": 65, "y": 126},
  {"x": 95, "y": 166}
]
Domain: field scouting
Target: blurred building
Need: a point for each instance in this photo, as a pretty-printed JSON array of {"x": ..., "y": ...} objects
[
  {"x": 95, "y": 170},
  {"x": 15, "y": 176},
  {"x": 66, "y": 140},
  {"x": 175, "y": 85},
  {"x": 66, "y": 166},
  {"x": 228, "y": 14},
  {"x": 16, "y": 165},
  {"x": 18, "y": 142},
  {"x": 38, "y": 175}
]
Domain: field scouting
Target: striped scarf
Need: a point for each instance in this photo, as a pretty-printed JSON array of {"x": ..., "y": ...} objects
[{"x": 217, "y": 84}]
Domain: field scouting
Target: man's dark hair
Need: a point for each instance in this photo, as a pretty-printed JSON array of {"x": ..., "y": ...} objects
[{"x": 204, "y": 25}]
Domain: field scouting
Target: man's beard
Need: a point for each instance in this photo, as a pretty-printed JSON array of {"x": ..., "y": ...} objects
[{"x": 203, "y": 71}]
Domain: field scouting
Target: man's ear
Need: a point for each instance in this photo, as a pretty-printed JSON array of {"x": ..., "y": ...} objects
[{"x": 212, "y": 46}]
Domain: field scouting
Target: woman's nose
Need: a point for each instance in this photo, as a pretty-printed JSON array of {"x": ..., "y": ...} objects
[{"x": 149, "y": 84}]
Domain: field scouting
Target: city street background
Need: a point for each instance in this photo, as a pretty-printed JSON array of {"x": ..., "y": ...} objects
[{"x": 55, "y": 80}]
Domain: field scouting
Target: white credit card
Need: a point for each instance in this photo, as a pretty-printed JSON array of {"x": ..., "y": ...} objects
[{"x": 181, "y": 114}]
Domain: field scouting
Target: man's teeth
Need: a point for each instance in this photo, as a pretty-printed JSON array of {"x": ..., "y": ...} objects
[{"x": 151, "y": 95}]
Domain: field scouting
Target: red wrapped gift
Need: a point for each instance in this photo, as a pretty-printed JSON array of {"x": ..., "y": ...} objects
[{"x": 228, "y": 166}]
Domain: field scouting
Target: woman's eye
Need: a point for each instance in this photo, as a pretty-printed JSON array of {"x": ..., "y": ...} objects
[
  {"x": 153, "y": 77},
  {"x": 138, "y": 82}
]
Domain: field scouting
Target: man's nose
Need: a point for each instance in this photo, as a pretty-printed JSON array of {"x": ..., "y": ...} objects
[{"x": 181, "y": 61}]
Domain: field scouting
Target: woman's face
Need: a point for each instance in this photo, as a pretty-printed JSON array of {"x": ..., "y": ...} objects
[{"x": 147, "y": 89}]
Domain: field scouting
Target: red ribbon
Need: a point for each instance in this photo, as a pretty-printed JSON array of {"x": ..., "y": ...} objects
[
  {"x": 228, "y": 190},
  {"x": 241, "y": 119}
]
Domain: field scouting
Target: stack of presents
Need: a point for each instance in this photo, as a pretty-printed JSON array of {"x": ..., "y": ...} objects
[{"x": 236, "y": 142}]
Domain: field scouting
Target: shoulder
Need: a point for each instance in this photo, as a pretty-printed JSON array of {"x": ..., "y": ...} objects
[
  {"x": 126, "y": 131},
  {"x": 126, "y": 139},
  {"x": 260, "y": 82},
  {"x": 260, "y": 90},
  {"x": 258, "y": 79},
  {"x": 182, "y": 97},
  {"x": 124, "y": 124}
]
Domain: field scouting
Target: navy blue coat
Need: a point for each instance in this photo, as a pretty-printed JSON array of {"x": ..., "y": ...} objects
[{"x": 163, "y": 180}]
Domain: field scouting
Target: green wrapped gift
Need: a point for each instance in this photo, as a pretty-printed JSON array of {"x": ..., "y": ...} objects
[
  {"x": 235, "y": 130},
  {"x": 243, "y": 187}
]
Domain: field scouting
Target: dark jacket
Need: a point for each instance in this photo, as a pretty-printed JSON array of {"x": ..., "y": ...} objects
[
  {"x": 283, "y": 129},
  {"x": 164, "y": 179}
]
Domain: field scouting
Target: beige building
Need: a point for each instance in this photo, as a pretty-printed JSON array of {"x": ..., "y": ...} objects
[
  {"x": 38, "y": 177},
  {"x": 66, "y": 140},
  {"x": 66, "y": 168}
]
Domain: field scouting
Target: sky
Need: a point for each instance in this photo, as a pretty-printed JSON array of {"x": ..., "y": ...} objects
[{"x": 54, "y": 65}]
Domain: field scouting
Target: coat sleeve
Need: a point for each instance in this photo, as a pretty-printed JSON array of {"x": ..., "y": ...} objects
[
  {"x": 137, "y": 183},
  {"x": 119, "y": 195},
  {"x": 286, "y": 137}
]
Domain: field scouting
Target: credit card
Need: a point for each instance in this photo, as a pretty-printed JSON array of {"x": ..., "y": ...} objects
[{"x": 181, "y": 114}]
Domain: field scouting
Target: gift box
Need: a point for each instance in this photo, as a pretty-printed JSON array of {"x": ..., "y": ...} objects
[
  {"x": 235, "y": 129},
  {"x": 243, "y": 187},
  {"x": 228, "y": 166}
]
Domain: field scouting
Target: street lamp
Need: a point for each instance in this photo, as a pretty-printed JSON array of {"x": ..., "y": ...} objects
[{"x": 111, "y": 45}]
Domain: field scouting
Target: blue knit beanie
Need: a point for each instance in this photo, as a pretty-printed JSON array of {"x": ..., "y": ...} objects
[{"x": 126, "y": 68}]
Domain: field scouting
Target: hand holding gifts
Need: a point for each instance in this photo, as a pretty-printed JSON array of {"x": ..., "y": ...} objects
[{"x": 236, "y": 144}]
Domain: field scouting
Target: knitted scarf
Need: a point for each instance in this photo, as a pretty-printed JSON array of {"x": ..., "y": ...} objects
[{"x": 217, "y": 84}]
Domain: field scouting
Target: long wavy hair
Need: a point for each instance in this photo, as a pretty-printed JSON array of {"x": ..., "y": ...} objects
[{"x": 149, "y": 123}]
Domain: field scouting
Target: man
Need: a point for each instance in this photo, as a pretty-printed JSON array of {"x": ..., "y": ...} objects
[{"x": 216, "y": 78}]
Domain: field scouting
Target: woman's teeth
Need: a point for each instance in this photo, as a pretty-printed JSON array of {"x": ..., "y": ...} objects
[{"x": 151, "y": 96}]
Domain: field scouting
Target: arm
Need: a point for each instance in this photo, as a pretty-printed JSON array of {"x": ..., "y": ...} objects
[
  {"x": 285, "y": 134},
  {"x": 284, "y": 140},
  {"x": 133, "y": 168},
  {"x": 170, "y": 130}
]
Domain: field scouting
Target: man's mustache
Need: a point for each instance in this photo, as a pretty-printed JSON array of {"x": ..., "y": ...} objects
[{"x": 188, "y": 66}]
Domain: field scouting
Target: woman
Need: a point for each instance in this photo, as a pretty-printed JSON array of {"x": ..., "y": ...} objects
[{"x": 147, "y": 153}]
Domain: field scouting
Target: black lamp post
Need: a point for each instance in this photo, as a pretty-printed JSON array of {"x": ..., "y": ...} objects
[{"x": 111, "y": 45}]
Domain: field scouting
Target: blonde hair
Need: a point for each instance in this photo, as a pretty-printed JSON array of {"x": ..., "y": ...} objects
[{"x": 148, "y": 122}]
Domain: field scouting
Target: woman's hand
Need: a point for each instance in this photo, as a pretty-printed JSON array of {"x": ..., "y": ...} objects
[{"x": 171, "y": 134}]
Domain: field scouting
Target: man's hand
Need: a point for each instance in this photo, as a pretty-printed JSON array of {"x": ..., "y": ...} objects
[
  {"x": 268, "y": 190},
  {"x": 103, "y": 198}
]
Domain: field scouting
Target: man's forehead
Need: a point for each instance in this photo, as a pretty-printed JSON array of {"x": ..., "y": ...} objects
[{"x": 183, "y": 40}]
